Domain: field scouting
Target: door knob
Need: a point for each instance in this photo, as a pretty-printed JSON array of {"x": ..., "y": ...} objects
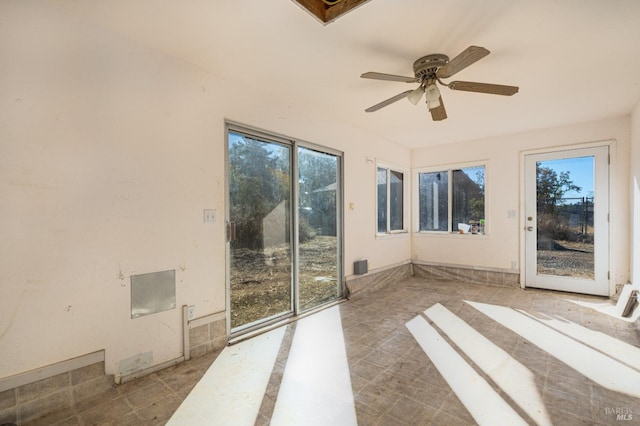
[{"x": 529, "y": 228}]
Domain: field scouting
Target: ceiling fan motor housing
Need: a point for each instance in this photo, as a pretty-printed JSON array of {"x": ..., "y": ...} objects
[{"x": 427, "y": 66}]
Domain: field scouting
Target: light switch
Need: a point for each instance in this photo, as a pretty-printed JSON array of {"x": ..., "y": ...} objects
[
  {"x": 209, "y": 215},
  {"x": 512, "y": 214}
]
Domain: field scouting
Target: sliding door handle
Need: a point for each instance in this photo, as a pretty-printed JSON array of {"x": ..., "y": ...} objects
[{"x": 231, "y": 231}]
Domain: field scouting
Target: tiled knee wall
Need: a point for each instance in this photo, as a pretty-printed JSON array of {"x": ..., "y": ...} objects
[
  {"x": 208, "y": 337},
  {"x": 499, "y": 277},
  {"x": 55, "y": 398},
  {"x": 488, "y": 276},
  {"x": 378, "y": 279}
]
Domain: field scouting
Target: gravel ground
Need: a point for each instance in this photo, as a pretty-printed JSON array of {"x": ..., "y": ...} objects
[{"x": 569, "y": 259}]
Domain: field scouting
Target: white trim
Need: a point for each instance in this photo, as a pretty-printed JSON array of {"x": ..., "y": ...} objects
[
  {"x": 567, "y": 283},
  {"x": 197, "y": 322},
  {"x": 406, "y": 197},
  {"x": 448, "y": 168},
  {"x": 447, "y": 234},
  {"x": 128, "y": 377},
  {"x": 41, "y": 373}
]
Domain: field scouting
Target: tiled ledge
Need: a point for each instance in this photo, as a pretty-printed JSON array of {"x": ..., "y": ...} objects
[
  {"x": 55, "y": 398},
  {"x": 469, "y": 274},
  {"x": 54, "y": 393},
  {"x": 208, "y": 337},
  {"x": 378, "y": 278}
]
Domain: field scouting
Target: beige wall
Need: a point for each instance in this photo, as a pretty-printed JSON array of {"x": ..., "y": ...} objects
[
  {"x": 109, "y": 152},
  {"x": 503, "y": 157},
  {"x": 634, "y": 193}
]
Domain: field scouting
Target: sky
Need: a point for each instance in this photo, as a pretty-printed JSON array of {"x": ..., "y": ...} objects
[{"x": 580, "y": 172}]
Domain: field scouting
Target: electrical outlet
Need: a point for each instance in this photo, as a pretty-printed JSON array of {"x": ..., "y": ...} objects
[
  {"x": 209, "y": 215},
  {"x": 514, "y": 264},
  {"x": 191, "y": 312}
]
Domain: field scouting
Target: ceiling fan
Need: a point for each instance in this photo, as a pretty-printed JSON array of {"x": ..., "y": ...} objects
[{"x": 431, "y": 69}]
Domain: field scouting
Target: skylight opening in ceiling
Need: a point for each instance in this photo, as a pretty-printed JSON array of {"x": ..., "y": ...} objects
[{"x": 329, "y": 10}]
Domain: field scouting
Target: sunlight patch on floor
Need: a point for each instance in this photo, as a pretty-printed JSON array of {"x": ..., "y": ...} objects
[
  {"x": 591, "y": 363},
  {"x": 622, "y": 351},
  {"x": 514, "y": 379},
  {"x": 479, "y": 398},
  {"x": 613, "y": 309},
  {"x": 316, "y": 386},
  {"x": 231, "y": 391}
]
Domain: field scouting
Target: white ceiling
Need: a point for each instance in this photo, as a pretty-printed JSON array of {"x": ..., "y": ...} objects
[{"x": 574, "y": 60}]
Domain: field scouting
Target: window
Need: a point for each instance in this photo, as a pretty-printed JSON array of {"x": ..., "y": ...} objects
[
  {"x": 434, "y": 201},
  {"x": 390, "y": 184},
  {"x": 450, "y": 197}
]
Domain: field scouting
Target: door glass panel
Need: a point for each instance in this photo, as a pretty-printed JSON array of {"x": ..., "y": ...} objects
[
  {"x": 565, "y": 217},
  {"x": 260, "y": 208},
  {"x": 318, "y": 227},
  {"x": 382, "y": 199}
]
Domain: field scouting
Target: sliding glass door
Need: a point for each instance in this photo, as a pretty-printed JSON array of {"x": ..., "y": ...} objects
[
  {"x": 284, "y": 228},
  {"x": 318, "y": 227},
  {"x": 260, "y": 244}
]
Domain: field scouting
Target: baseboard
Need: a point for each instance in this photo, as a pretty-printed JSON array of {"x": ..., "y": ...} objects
[
  {"x": 157, "y": 367},
  {"x": 41, "y": 373}
]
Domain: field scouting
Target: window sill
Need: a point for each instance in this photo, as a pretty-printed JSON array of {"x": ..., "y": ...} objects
[
  {"x": 452, "y": 235},
  {"x": 393, "y": 234}
]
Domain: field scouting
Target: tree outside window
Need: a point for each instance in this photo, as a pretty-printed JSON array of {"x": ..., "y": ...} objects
[{"x": 451, "y": 196}]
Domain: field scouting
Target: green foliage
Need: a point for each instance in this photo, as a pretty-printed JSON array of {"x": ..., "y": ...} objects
[
  {"x": 468, "y": 195},
  {"x": 550, "y": 225},
  {"x": 551, "y": 187},
  {"x": 476, "y": 209},
  {"x": 258, "y": 182},
  {"x": 305, "y": 231}
]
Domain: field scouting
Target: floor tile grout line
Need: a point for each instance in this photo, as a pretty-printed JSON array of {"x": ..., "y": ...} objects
[
  {"x": 478, "y": 370},
  {"x": 418, "y": 294}
]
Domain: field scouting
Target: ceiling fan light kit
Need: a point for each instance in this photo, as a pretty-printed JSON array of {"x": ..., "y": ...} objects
[
  {"x": 432, "y": 93},
  {"x": 431, "y": 69},
  {"x": 415, "y": 95}
]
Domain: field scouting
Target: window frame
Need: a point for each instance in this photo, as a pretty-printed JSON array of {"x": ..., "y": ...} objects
[
  {"x": 389, "y": 167},
  {"x": 449, "y": 169}
]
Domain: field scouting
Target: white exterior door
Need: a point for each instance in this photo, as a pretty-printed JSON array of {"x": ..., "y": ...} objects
[{"x": 566, "y": 220}]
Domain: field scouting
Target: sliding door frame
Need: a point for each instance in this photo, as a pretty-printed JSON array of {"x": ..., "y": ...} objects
[{"x": 231, "y": 126}]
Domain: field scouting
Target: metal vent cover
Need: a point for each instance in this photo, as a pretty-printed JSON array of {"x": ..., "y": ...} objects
[{"x": 152, "y": 293}]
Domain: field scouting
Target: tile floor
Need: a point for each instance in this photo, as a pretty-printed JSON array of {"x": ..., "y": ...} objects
[{"x": 415, "y": 353}]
